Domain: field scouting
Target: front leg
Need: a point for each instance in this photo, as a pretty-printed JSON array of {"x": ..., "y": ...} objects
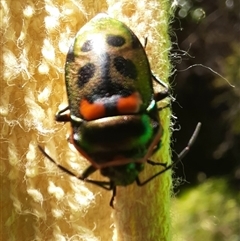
[
  {"x": 60, "y": 117},
  {"x": 158, "y": 96}
]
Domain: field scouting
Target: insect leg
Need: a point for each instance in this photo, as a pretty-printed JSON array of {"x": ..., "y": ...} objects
[
  {"x": 105, "y": 185},
  {"x": 161, "y": 94},
  {"x": 59, "y": 166},
  {"x": 63, "y": 117},
  {"x": 179, "y": 158},
  {"x": 156, "y": 163}
]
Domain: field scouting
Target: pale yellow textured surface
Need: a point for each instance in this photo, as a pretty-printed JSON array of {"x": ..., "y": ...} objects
[{"x": 38, "y": 201}]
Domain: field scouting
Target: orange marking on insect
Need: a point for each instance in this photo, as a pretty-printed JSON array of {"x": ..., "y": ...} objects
[
  {"x": 91, "y": 111},
  {"x": 130, "y": 104}
]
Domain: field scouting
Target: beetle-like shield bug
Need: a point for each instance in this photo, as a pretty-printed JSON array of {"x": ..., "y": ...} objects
[{"x": 112, "y": 104}]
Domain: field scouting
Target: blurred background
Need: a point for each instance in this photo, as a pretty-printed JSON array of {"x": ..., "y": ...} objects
[{"x": 206, "y": 55}]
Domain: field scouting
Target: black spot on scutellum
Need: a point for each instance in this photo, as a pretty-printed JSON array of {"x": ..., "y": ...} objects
[
  {"x": 125, "y": 67},
  {"x": 85, "y": 74},
  {"x": 87, "y": 46},
  {"x": 115, "y": 40}
]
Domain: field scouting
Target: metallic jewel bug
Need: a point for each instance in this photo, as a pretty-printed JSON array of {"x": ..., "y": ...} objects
[{"x": 113, "y": 107}]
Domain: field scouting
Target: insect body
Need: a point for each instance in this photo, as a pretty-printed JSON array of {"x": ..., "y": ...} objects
[
  {"x": 112, "y": 107},
  {"x": 112, "y": 104}
]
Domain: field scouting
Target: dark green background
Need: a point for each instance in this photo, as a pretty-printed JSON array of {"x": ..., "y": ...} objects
[
  {"x": 207, "y": 182},
  {"x": 201, "y": 95}
]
